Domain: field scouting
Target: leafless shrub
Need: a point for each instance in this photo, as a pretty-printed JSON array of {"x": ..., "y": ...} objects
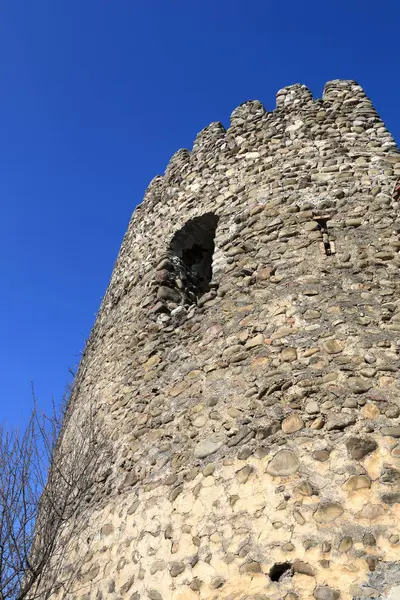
[{"x": 45, "y": 476}]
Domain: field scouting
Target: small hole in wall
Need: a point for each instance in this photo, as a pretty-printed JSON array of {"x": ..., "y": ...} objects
[
  {"x": 278, "y": 570},
  {"x": 327, "y": 243}
]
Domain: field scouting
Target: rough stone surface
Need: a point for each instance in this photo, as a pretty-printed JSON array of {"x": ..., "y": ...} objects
[{"x": 244, "y": 370}]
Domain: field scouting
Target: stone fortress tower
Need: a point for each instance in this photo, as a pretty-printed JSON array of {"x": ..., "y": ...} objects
[{"x": 245, "y": 366}]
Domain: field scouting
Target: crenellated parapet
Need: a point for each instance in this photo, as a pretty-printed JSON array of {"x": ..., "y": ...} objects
[
  {"x": 209, "y": 139},
  {"x": 177, "y": 166},
  {"x": 248, "y": 112},
  {"x": 344, "y": 90},
  {"x": 293, "y": 97}
]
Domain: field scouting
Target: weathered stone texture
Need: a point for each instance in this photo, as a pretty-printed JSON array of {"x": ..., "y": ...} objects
[{"x": 245, "y": 365}]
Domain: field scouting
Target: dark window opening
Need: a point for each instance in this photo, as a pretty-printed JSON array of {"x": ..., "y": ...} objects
[
  {"x": 193, "y": 249},
  {"x": 185, "y": 271},
  {"x": 278, "y": 570}
]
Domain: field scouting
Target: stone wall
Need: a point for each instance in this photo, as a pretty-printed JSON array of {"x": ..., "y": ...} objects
[{"x": 244, "y": 365}]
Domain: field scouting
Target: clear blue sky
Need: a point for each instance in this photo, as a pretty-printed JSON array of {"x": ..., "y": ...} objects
[{"x": 96, "y": 95}]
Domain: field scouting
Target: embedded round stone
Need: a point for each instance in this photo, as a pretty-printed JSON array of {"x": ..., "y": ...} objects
[
  {"x": 370, "y": 411},
  {"x": 258, "y": 340},
  {"x": 358, "y": 385},
  {"x": 243, "y": 474},
  {"x": 358, "y": 447},
  {"x": 284, "y": 463},
  {"x": 328, "y": 512},
  {"x": 396, "y": 451},
  {"x": 339, "y": 421},
  {"x": 305, "y": 488},
  {"x": 176, "y": 568},
  {"x": 345, "y": 544},
  {"x": 289, "y": 354},
  {"x": 326, "y": 593},
  {"x": 321, "y": 455},
  {"x": 357, "y": 482},
  {"x": 391, "y": 498},
  {"x": 152, "y": 362},
  {"x": 303, "y": 568},
  {"x": 371, "y": 512},
  {"x": 332, "y": 346},
  {"x": 166, "y": 293},
  {"x": 312, "y": 407},
  {"x": 209, "y": 446},
  {"x": 217, "y": 582},
  {"x": 264, "y": 273},
  {"x": 292, "y": 424},
  {"x": 391, "y": 431}
]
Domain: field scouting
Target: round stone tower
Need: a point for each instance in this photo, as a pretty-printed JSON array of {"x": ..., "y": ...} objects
[{"x": 245, "y": 369}]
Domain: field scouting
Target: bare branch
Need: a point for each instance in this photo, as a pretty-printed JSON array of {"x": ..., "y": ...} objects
[{"x": 43, "y": 481}]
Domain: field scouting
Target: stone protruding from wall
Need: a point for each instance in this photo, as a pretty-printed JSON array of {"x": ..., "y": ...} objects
[{"x": 245, "y": 367}]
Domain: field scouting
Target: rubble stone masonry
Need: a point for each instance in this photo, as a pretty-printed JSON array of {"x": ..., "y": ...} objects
[{"x": 245, "y": 368}]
